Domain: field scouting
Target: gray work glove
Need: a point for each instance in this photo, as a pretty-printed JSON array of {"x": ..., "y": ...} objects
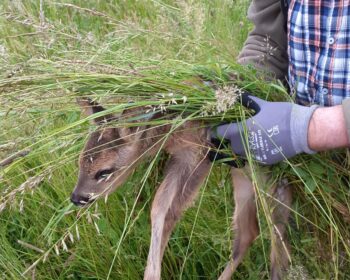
[{"x": 277, "y": 131}]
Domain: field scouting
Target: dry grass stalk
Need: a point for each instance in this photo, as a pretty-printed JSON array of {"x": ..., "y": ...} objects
[
  {"x": 342, "y": 209},
  {"x": 86, "y": 10},
  {"x": 28, "y": 185},
  {"x": 13, "y": 157},
  {"x": 30, "y": 246},
  {"x": 7, "y": 146},
  {"x": 98, "y": 67}
]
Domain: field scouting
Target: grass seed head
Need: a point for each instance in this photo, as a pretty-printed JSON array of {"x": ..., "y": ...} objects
[
  {"x": 297, "y": 272},
  {"x": 56, "y": 250},
  {"x": 64, "y": 245},
  {"x": 71, "y": 238},
  {"x": 226, "y": 97},
  {"x": 27, "y": 186},
  {"x": 77, "y": 232}
]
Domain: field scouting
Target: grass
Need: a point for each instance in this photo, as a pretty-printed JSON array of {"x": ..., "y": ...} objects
[{"x": 52, "y": 51}]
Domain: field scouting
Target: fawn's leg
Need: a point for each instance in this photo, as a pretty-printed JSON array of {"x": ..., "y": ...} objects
[
  {"x": 246, "y": 225},
  {"x": 281, "y": 204},
  {"x": 185, "y": 172},
  {"x": 245, "y": 220}
]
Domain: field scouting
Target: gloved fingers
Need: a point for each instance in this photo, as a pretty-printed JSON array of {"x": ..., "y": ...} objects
[
  {"x": 220, "y": 143},
  {"x": 251, "y": 102},
  {"x": 228, "y": 131},
  {"x": 231, "y": 130},
  {"x": 215, "y": 156}
]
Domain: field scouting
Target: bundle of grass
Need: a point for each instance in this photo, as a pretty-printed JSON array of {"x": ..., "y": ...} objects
[{"x": 43, "y": 96}]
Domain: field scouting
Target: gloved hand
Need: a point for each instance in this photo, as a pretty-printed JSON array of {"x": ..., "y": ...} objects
[{"x": 277, "y": 131}]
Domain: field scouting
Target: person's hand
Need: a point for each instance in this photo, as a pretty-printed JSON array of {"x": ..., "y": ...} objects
[{"x": 277, "y": 131}]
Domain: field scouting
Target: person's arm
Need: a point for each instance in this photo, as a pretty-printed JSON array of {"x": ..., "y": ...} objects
[
  {"x": 327, "y": 129},
  {"x": 266, "y": 45},
  {"x": 346, "y": 111},
  {"x": 281, "y": 130}
]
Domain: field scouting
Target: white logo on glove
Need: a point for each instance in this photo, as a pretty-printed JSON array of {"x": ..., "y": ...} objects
[{"x": 273, "y": 131}]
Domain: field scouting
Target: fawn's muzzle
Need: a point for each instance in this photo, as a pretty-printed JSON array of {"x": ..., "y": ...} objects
[{"x": 79, "y": 200}]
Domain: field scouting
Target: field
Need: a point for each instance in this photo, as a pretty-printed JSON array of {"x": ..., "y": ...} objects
[{"x": 43, "y": 236}]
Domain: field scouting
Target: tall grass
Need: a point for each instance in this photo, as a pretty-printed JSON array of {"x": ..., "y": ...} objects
[{"x": 120, "y": 51}]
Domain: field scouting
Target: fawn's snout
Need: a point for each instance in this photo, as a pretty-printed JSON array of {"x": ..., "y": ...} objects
[{"x": 79, "y": 200}]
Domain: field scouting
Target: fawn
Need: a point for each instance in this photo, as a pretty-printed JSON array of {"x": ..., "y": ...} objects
[{"x": 112, "y": 153}]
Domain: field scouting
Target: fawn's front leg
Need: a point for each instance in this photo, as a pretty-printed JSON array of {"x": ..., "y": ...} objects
[{"x": 185, "y": 172}]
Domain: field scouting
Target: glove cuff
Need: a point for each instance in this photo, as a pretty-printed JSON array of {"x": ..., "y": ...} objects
[{"x": 299, "y": 123}]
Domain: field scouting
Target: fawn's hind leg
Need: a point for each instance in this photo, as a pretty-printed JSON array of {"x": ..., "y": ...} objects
[
  {"x": 244, "y": 221},
  {"x": 246, "y": 225},
  {"x": 185, "y": 172},
  {"x": 281, "y": 203}
]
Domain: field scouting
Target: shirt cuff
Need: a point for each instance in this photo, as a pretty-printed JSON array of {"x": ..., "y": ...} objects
[{"x": 346, "y": 111}]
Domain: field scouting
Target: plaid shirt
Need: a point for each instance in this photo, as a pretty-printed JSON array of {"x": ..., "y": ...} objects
[{"x": 319, "y": 50}]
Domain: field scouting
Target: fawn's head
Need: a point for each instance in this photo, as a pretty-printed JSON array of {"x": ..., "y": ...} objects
[{"x": 109, "y": 156}]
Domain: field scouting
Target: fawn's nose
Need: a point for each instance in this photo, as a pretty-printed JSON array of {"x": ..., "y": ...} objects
[{"x": 79, "y": 200}]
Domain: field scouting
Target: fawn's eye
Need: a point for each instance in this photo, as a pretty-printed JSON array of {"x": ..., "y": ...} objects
[{"x": 103, "y": 174}]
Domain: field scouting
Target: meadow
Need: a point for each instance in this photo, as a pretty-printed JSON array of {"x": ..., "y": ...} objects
[{"x": 50, "y": 52}]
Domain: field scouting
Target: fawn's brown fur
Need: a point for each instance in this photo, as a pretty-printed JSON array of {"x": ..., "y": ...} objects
[{"x": 111, "y": 154}]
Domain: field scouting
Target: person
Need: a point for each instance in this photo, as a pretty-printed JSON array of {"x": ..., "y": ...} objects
[{"x": 307, "y": 42}]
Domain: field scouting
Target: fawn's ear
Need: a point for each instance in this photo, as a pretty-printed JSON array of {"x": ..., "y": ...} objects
[
  {"x": 90, "y": 107},
  {"x": 134, "y": 115}
]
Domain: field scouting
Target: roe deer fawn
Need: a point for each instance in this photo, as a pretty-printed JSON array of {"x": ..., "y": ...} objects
[{"x": 111, "y": 154}]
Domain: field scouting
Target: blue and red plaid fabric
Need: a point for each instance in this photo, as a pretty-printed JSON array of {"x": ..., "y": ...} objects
[{"x": 319, "y": 50}]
